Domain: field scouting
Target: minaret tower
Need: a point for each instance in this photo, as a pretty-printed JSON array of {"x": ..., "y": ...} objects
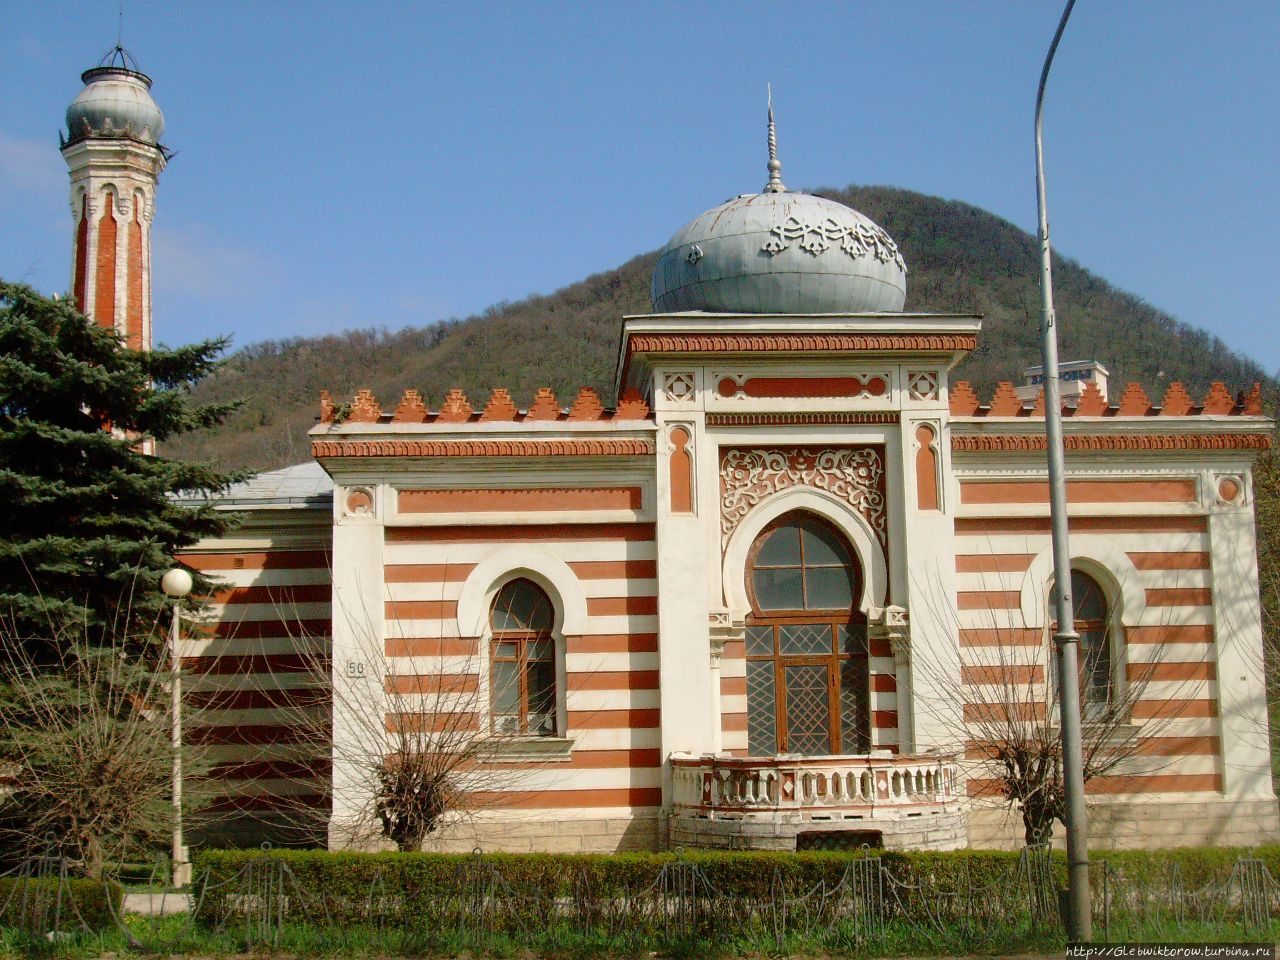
[{"x": 113, "y": 151}]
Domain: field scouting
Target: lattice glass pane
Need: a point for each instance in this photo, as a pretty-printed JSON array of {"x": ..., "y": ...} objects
[
  {"x": 760, "y": 640},
  {"x": 829, "y": 589},
  {"x": 542, "y": 724},
  {"x": 762, "y": 705},
  {"x": 508, "y": 650},
  {"x": 1095, "y": 671},
  {"x": 521, "y": 605},
  {"x": 505, "y": 681},
  {"x": 852, "y": 638},
  {"x": 1089, "y": 601},
  {"x": 541, "y": 678},
  {"x": 782, "y": 548},
  {"x": 855, "y": 712},
  {"x": 822, "y": 549},
  {"x": 805, "y": 639},
  {"x": 780, "y": 589},
  {"x": 808, "y": 710}
]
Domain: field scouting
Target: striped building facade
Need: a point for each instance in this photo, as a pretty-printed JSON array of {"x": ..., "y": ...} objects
[
  {"x": 359, "y": 617},
  {"x": 790, "y": 590}
]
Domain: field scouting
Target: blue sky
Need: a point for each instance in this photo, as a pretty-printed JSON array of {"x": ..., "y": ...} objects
[{"x": 375, "y": 164}]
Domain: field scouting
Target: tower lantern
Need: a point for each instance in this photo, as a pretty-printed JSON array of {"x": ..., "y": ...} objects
[{"x": 113, "y": 152}]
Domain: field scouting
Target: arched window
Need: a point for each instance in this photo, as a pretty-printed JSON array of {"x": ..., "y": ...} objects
[
  {"x": 807, "y": 674},
  {"x": 522, "y": 663},
  {"x": 1093, "y": 624}
]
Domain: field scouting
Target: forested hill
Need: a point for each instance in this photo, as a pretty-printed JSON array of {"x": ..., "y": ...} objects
[{"x": 959, "y": 258}]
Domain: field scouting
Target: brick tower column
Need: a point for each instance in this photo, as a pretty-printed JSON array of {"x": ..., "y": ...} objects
[{"x": 114, "y": 158}]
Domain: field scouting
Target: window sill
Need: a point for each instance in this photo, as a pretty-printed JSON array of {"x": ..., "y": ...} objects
[{"x": 549, "y": 749}]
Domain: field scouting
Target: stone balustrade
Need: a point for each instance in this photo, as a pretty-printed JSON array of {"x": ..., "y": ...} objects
[{"x": 816, "y": 787}]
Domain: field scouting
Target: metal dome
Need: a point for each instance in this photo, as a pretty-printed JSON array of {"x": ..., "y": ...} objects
[
  {"x": 780, "y": 252},
  {"x": 115, "y": 102}
]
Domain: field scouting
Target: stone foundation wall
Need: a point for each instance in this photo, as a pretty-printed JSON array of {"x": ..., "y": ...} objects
[
  {"x": 613, "y": 835},
  {"x": 1117, "y": 824},
  {"x": 943, "y": 829}
]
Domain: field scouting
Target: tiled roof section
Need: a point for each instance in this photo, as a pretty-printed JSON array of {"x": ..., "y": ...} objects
[
  {"x": 457, "y": 408},
  {"x": 1177, "y": 402}
]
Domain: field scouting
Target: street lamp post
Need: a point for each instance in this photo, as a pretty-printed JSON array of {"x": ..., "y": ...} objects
[
  {"x": 176, "y": 584},
  {"x": 1066, "y": 640}
]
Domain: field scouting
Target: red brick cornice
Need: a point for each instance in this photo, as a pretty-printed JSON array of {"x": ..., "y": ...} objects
[
  {"x": 1035, "y": 443},
  {"x": 607, "y": 447},
  {"x": 756, "y": 342},
  {"x": 800, "y": 418}
]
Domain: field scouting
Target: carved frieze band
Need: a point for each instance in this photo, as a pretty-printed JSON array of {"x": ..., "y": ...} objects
[
  {"x": 481, "y": 448},
  {"x": 799, "y": 419},
  {"x": 752, "y": 342},
  {"x": 855, "y": 475},
  {"x": 1032, "y": 443},
  {"x": 855, "y": 240},
  {"x": 802, "y": 387}
]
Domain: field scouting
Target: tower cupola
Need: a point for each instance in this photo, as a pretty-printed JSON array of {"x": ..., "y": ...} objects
[
  {"x": 115, "y": 102},
  {"x": 114, "y": 157},
  {"x": 780, "y": 252}
]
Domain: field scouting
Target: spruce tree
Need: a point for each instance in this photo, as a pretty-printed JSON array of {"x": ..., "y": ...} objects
[{"x": 88, "y": 522}]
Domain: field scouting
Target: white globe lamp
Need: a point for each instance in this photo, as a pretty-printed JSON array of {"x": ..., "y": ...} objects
[{"x": 176, "y": 583}]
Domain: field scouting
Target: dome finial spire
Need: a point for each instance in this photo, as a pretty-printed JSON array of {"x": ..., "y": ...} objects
[{"x": 775, "y": 184}]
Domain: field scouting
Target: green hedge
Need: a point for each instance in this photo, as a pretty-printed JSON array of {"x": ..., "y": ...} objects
[
  {"x": 351, "y": 876},
  {"x": 1197, "y": 866},
  {"x": 360, "y": 886},
  {"x": 39, "y": 904}
]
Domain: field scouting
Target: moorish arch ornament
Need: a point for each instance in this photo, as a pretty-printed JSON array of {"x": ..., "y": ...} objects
[{"x": 854, "y": 475}]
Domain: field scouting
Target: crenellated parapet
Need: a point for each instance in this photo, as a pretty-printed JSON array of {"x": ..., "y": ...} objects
[
  {"x": 1134, "y": 402},
  {"x": 456, "y": 408}
]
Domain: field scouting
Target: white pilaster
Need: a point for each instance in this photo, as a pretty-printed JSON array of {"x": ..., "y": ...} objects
[
  {"x": 930, "y": 675},
  {"x": 1242, "y": 706},
  {"x": 358, "y": 661},
  {"x": 685, "y": 674}
]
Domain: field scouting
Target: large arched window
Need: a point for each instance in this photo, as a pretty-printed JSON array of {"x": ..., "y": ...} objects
[
  {"x": 1093, "y": 624},
  {"x": 522, "y": 663},
  {"x": 807, "y": 675}
]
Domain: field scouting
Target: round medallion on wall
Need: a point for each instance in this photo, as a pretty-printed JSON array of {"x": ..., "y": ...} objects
[
  {"x": 360, "y": 502},
  {"x": 1230, "y": 489}
]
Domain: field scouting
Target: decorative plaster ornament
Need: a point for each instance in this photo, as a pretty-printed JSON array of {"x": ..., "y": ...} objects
[
  {"x": 856, "y": 240},
  {"x": 678, "y": 387},
  {"x": 748, "y": 477},
  {"x": 923, "y": 384},
  {"x": 1031, "y": 443}
]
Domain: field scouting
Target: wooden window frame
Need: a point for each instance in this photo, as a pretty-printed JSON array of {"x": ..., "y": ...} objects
[
  {"x": 524, "y": 640},
  {"x": 834, "y": 658}
]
